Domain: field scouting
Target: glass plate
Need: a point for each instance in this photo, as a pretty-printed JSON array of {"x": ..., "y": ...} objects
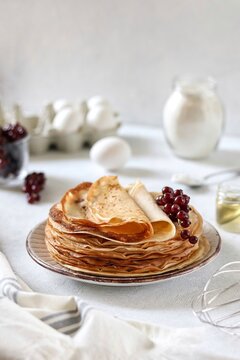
[{"x": 37, "y": 249}]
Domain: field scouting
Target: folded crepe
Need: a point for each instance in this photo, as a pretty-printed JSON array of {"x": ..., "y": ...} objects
[
  {"x": 163, "y": 227},
  {"x": 105, "y": 229},
  {"x": 106, "y": 205}
]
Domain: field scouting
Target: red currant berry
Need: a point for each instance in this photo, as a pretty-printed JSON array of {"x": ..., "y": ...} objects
[
  {"x": 26, "y": 188},
  {"x": 187, "y": 198},
  {"x": 168, "y": 198},
  {"x": 185, "y": 208},
  {"x": 182, "y": 215},
  {"x": 193, "y": 239},
  {"x": 35, "y": 188},
  {"x": 41, "y": 178},
  {"x": 175, "y": 209},
  {"x": 32, "y": 198},
  {"x": 185, "y": 234},
  {"x": 159, "y": 200},
  {"x": 185, "y": 223},
  {"x": 167, "y": 189},
  {"x": 179, "y": 200},
  {"x": 173, "y": 217},
  {"x": 178, "y": 192},
  {"x": 167, "y": 208}
]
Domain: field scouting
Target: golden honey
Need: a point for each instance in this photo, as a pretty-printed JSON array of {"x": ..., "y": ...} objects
[{"x": 228, "y": 206}]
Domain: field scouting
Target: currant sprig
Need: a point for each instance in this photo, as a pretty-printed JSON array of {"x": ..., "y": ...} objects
[{"x": 176, "y": 205}]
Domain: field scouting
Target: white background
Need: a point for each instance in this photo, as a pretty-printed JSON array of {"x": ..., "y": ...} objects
[{"x": 127, "y": 50}]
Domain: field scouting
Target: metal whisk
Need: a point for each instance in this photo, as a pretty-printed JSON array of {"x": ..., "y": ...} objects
[{"x": 219, "y": 303}]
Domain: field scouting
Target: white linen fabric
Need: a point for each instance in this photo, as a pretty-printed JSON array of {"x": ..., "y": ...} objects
[{"x": 39, "y": 326}]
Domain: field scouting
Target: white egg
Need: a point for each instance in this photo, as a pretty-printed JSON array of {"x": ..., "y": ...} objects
[
  {"x": 60, "y": 104},
  {"x": 111, "y": 152},
  {"x": 101, "y": 118},
  {"x": 96, "y": 101},
  {"x": 67, "y": 120}
]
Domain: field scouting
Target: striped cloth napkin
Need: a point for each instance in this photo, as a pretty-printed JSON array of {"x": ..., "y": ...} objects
[{"x": 38, "y": 326}]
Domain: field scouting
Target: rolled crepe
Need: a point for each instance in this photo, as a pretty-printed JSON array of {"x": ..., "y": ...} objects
[
  {"x": 74, "y": 204},
  {"x": 164, "y": 228},
  {"x": 106, "y": 205}
]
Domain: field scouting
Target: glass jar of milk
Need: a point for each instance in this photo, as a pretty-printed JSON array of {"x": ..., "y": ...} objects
[{"x": 193, "y": 117}]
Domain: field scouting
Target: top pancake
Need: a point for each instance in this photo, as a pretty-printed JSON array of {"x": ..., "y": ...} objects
[{"x": 110, "y": 209}]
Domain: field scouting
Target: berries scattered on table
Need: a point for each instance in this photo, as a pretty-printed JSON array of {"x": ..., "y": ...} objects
[
  {"x": 33, "y": 185},
  {"x": 176, "y": 205}
]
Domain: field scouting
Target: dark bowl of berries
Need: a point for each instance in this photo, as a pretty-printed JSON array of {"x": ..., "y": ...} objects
[{"x": 14, "y": 153}]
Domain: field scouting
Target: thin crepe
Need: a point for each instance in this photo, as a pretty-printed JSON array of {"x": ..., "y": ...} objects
[
  {"x": 80, "y": 255},
  {"x": 106, "y": 205},
  {"x": 92, "y": 252},
  {"x": 162, "y": 225}
]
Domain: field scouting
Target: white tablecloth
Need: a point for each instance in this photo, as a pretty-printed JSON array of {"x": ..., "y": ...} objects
[{"x": 167, "y": 303}]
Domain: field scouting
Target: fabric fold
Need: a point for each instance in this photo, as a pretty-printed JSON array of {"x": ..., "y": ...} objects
[{"x": 98, "y": 335}]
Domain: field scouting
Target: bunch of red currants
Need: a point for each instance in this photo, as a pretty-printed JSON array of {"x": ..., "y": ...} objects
[
  {"x": 176, "y": 205},
  {"x": 33, "y": 185}
]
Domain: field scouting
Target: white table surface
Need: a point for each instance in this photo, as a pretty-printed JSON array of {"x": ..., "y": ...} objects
[{"x": 166, "y": 303}]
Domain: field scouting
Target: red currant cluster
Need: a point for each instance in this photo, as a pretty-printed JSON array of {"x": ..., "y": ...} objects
[
  {"x": 176, "y": 205},
  {"x": 11, "y": 156},
  {"x": 33, "y": 185},
  {"x": 13, "y": 132}
]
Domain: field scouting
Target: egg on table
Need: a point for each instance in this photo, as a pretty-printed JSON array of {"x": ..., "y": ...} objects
[{"x": 111, "y": 152}]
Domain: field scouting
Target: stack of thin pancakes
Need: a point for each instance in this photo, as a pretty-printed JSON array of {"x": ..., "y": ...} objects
[{"x": 102, "y": 228}]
